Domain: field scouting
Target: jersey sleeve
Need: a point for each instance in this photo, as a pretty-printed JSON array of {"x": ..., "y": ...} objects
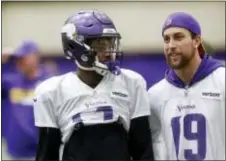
[
  {"x": 140, "y": 104},
  {"x": 159, "y": 146},
  {"x": 222, "y": 80},
  {"x": 44, "y": 114}
]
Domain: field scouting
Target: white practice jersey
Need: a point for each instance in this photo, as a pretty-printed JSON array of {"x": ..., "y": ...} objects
[
  {"x": 189, "y": 123},
  {"x": 63, "y": 101}
]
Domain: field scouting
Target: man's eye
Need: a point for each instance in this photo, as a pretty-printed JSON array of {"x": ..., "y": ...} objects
[{"x": 166, "y": 39}]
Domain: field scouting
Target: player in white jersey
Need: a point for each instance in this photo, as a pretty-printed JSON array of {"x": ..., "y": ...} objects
[
  {"x": 100, "y": 112},
  {"x": 189, "y": 103}
]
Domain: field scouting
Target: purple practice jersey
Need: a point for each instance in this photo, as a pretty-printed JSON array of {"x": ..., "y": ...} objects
[{"x": 17, "y": 113}]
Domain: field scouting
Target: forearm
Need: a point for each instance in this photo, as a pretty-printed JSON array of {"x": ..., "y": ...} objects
[
  {"x": 49, "y": 144},
  {"x": 140, "y": 140}
]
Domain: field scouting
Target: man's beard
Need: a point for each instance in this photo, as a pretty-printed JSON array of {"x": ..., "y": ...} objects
[{"x": 183, "y": 61}]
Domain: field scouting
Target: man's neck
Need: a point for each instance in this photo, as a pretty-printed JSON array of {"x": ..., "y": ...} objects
[
  {"x": 187, "y": 73},
  {"x": 90, "y": 78}
]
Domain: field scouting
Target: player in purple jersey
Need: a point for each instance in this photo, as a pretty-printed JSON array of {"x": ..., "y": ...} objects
[
  {"x": 6, "y": 53},
  {"x": 17, "y": 93}
]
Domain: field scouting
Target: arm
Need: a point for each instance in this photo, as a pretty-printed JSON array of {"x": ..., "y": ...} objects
[
  {"x": 6, "y": 104},
  {"x": 49, "y": 133},
  {"x": 157, "y": 134},
  {"x": 140, "y": 142},
  {"x": 49, "y": 144},
  {"x": 157, "y": 137}
]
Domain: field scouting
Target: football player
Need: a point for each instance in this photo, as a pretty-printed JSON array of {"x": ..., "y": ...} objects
[
  {"x": 99, "y": 112},
  {"x": 189, "y": 103},
  {"x": 17, "y": 92}
]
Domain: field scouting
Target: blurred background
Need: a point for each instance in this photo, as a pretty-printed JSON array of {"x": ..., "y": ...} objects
[{"x": 139, "y": 24}]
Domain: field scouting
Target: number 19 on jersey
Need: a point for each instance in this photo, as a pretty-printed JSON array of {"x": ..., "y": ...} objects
[{"x": 185, "y": 125}]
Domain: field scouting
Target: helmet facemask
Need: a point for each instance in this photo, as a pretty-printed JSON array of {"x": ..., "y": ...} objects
[{"x": 106, "y": 53}]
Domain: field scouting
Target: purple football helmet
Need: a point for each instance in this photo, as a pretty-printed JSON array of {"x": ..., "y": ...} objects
[{"x": 88, "y": 25}]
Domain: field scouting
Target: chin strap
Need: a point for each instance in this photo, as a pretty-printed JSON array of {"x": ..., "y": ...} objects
[{"x": 102, "y": 68}]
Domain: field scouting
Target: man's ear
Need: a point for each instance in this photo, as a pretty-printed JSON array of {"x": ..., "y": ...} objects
[{"x": 197, "y": 41}]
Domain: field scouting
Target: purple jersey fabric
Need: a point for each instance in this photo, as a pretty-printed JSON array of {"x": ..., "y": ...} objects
[
  {"x": 207, "y": 66},
  {"x": 17, "y": 113}
]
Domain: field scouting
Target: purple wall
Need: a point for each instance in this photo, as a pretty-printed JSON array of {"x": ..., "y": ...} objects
[{"x": 152, "y": 67}]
